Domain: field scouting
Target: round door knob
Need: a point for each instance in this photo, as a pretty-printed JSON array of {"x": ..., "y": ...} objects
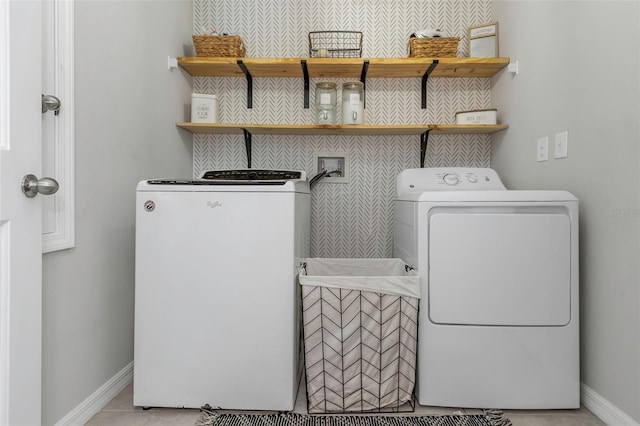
[
  {"x": 50, "y": 103},
  {"x": 32, "y": 186}
]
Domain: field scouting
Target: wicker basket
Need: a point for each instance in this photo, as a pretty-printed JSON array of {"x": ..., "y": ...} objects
[
  {"x": 437, "y": 47},
  {"x": 226, "y": 46}
]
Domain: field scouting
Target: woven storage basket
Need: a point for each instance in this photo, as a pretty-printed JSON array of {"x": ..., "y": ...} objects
[
  {"x": 437, "y": 47},
  {"x": 227, "y": 46}
]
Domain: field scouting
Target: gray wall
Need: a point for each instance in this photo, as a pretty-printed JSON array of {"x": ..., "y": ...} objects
[
  {"x": 127, "y": 104},
  {"x": 573, "y": 79}
]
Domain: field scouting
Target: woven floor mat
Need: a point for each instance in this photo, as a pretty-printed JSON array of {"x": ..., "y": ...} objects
[{"x": 488, "y": 418}]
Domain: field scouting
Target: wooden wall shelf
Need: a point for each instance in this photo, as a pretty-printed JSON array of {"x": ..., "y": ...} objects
[
  {"x": 343, "y": 67},
  {"x": 302, "y": 129},
  {"x": 359, "y": 68},
  {"x": 356, "y": 68}
]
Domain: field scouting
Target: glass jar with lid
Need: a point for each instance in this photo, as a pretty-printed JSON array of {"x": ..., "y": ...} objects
[
  {"x": 326, "y": 103},
  {"x": 352, "y": 102}
]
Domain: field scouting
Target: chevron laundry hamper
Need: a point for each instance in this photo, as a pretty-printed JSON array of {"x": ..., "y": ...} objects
[{"x": 360, "y": 334}]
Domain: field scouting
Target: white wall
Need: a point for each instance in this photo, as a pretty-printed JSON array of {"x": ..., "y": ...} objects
[
  {"x": 127, "y": 104},
  {"x": 579, "y": 71}
]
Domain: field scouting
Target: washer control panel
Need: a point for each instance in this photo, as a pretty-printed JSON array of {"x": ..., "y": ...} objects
[
  {"x": 449, "y": 179},
  {"x": 254, "y": 174}
]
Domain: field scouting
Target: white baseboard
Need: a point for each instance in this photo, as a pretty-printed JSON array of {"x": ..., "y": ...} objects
[
  {"x": 99, "y": 399},
  {"x": 603, "y": 409},
  {"x": 594, "y": 402}
]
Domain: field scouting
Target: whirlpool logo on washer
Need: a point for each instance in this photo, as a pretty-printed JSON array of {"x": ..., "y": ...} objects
[{"x": 214, "y": 204}]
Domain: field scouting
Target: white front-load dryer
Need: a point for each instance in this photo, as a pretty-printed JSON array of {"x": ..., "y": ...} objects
[{"x": 498, "y": 324}]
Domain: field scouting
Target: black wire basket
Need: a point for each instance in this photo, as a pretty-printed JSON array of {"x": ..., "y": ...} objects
[{"x": 335, "y": 44}]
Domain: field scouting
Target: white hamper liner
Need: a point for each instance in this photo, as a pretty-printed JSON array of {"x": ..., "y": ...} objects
[{"x": 360, "y": 334}]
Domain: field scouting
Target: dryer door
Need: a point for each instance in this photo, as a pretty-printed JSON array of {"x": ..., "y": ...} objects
[{"x": 500, "y": 266}]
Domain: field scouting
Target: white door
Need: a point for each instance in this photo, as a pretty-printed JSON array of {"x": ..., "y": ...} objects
[
  {"x": 500, "y": 266},
  {"x": 20, "y": 217}
]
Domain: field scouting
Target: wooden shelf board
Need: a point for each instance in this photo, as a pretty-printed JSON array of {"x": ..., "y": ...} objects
[
  {"x": 447, "y": 67},
  {"x": 302, "y": 129},
  {"x": 214, "y": 67},
  {"x": 471, "y": 67},
  {"x": 343, "y": 67},
  {"x": 335, "y": 68},
  {"x": 398, "y": 67},
  {"x": 273, "y": 67}
]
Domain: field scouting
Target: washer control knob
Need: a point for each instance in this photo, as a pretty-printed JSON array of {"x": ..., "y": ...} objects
[
  {"x": 472, "y": 178},
  {"x": 451, "y": 179}
]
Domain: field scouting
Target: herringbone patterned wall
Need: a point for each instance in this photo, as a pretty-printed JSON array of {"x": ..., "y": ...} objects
[{"x": 354, "y": 219}]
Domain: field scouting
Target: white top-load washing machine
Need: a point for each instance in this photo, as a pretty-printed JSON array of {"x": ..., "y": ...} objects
[
  {"x": 216, "y": 298},
  {"x": 498, "y": 322}
]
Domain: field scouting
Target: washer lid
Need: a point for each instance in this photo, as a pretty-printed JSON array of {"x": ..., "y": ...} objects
[
  {"x": 241, "y": 180},
  {"x": 201, "y": 185}
]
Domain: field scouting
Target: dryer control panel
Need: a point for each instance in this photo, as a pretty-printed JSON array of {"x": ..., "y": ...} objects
[{"x": 449, "y": 179}]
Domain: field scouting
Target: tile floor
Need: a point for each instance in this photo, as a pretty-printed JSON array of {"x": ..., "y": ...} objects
[{"x": 121, "y": 412}]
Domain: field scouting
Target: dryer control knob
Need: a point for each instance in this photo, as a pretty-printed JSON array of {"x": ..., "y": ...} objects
[
  {"x": 451, "y": 179},
  {"x": 472, "y": 178}
]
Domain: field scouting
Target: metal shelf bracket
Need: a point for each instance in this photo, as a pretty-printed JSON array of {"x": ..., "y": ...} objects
[
  {"x": 363, "y": 79},
  {"x": 247, "y": 146},
  {"x": 424, "y": 140},
  {"x": 305, "y": 72},
  {"x": 425, "y": 77},
  {"x": 247, "y": 74}
]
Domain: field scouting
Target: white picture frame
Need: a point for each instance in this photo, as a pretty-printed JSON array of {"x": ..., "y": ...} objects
[{"x": 483, "y": 41}]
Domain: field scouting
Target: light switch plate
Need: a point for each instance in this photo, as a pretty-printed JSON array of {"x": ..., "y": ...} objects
[
  {"x": 542, "y": 151},
  {"x": 561, "y": 145}
]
